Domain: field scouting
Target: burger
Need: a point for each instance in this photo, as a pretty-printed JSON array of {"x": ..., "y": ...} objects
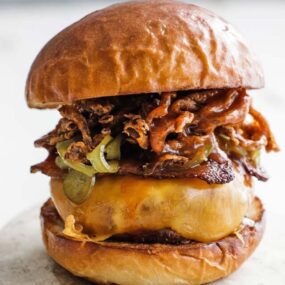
[{"x": 153, "y": 160}]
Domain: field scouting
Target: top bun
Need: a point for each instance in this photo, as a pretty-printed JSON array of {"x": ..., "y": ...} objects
[{"x": 141, "y": 47}]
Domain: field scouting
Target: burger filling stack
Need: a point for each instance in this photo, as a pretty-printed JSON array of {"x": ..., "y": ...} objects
[{"x": 154, "y": 158}]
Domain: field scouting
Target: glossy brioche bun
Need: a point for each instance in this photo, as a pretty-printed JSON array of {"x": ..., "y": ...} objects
[
  {"x": 141, "y": 47},
  {"x": 158, "y": 264},
  {"x": 193, "y": 208}
]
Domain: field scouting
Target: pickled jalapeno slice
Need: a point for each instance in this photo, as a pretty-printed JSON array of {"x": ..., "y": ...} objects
[{"x": 77, "y": 186}]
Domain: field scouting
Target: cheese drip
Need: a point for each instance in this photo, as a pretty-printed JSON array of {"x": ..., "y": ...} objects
[{"x": 125, "y": 204}]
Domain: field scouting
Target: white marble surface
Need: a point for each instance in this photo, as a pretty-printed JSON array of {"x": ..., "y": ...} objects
[{"x": 24, "y": 261}]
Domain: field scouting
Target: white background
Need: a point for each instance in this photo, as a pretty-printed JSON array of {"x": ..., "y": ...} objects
[{"x": 25, "y": 28}]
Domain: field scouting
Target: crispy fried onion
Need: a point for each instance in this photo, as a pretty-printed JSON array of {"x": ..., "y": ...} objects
[
  {"x": 248, "y": 136},
  {"x": 162, "y": 109},
  {"x": 224, "y": 108},
  {"x": 271, "y": 144},
  {"x": 185, "y": 104},
  {"x": 77, "y": 151},
  {"x": 162, "y": 122},
  {"x": 136, "y": 129},
  {"x": 193, "y": 101},
  {"x": 243, "y": 144},
  {"x": 228, "y": 109},
  {"x": 165, "y": 126},
  {"x": 71, "y": 113},
  {"x": 173, "y": 133},
  {"x": 106, "y": 119},
  {"x": 94, "y": 107},
  {"x": 188, "y": 145},
  {"x": 64, "y": 130},
  {"x": 245, "y": 141},
  {"x": 254, "y": 170}
]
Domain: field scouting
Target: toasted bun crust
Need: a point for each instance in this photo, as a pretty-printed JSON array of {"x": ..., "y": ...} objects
[
  {"x": 141, "y": 47},
  {"x": 158, "y": 264}
]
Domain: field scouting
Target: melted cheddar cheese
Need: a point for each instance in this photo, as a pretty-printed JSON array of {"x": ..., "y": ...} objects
[{"x": 125, "y": 204}]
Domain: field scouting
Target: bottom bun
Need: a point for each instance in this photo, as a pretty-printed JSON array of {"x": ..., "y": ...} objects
[{"x": 158, "y": 264}]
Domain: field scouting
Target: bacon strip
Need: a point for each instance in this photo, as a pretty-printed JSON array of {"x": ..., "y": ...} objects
[
  {"x": 212, "y": 172},
  {"x": 48, "y": 167}
]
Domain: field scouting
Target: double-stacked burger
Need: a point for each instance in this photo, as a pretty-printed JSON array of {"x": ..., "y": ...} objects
[{"x": 153, "y": 160}]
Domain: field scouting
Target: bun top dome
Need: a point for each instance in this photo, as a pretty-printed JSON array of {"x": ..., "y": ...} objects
[{"x": 141, "y": 47}]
